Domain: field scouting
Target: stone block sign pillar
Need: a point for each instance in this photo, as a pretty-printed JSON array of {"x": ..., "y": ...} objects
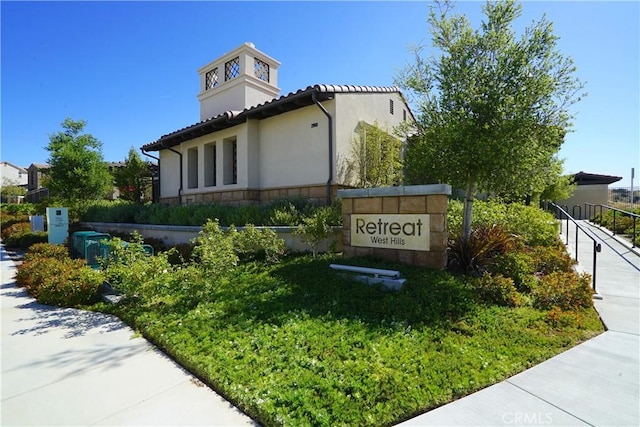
[{"x": 406, "y": 225}]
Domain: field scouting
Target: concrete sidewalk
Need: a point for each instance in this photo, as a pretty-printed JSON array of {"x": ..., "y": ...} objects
[
  {"x": 596, "y": 383},
  {"x": 69, "y": 367}
]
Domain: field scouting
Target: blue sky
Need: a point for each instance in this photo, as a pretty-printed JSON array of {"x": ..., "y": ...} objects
[{"x": 129, "y": 68}]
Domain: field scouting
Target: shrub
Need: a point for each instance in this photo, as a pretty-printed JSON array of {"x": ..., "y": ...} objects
[
  {"x": 498, "y": 290},
  {"x": 187, "y": 286},
  {"x": 27, "y": 273},
  {"x": 18, "y": 209},
  {"x": 475, "y": 254},
  {"x": 74, "y": 284},
  {"x": 535, "y": 226},
  {"x": 33, "y": 237},
  {"x": 252, "y": 243},
  {"x": 558, "y": 318},
  {"x": 214, "y": 250},
  {"x": 287, "y": 215},
  {"x": 531, "y": 224},
  {"x": 286, "y": 211},
  {"x": 14, "y": 231},
  {"x": 47, "y": 250},
  {"x": 567, "y": 291},
  {"x": 289, "y": 211},
  {"x": 131, "y": 271},
  {"x": 51, "y": 277},
  {"x": 317, "y": 228},
  {"x": 245, "y": 215},
  {"x": 518, "y": 265},
  {"x": 180, "y": 253},
  {"x": 153, "y": 281},
  {"x": 19, "y": 235},
  {"x": 120, "y": 211},
  {"x": 8, "y": 220},
  {"x": 552, "y": 259}
]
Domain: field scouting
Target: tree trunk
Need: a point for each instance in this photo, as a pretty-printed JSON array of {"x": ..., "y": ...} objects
[{"x": 468, "y": 211}]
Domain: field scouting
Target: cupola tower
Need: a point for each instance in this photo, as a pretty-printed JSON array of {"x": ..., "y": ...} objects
[{"x": 240, "y": 79}]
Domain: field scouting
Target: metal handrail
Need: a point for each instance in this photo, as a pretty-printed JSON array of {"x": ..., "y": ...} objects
[
  {"x": 573, "y": 211},
  {"x": 631, "y": 214},
  {"x": 596, "y": 246}
]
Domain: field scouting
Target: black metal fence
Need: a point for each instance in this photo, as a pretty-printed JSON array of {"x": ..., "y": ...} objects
[
  {"x": 597, "y": 213},
  {"x": 36, "y": 196},
  {"x": 561, "y": 213}
]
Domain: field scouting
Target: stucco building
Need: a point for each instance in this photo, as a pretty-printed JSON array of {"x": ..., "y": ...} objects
[
  {"x": 252, "y": 145},
  {"x": 590, "y": 188}
]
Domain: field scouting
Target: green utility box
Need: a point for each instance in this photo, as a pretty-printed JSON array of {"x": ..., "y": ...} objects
[
  {"x": 87, "y": 245},
  {"x": 91, "y": 246},
  {"x": 105, "y": 249}
]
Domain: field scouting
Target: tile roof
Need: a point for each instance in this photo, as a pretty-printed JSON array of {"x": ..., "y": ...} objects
[{"x": 292, "y": 101}]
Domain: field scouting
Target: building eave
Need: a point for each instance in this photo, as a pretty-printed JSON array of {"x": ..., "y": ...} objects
[
  {"x": 584, "y": 178},
  {"x": 292, "y": 101}
]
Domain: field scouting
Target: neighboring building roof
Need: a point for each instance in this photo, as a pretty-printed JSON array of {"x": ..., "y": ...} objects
[
  {"x": 583, "y": 178},
  {"x": 39, "y": 166},
  {"x": 292, "y": 101},
  {"x": 19, "y": 168}
]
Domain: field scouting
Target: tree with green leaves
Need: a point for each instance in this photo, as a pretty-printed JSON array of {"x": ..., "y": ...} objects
[
  {"x": 78, "y": 171},
  {"x": 559, "y": 187},
  {"x": 493, "y": 107},
  {"x": 134, "y": 178},
  {"x": 376, "y": 158},
  {"x": 10, "y": 190}
]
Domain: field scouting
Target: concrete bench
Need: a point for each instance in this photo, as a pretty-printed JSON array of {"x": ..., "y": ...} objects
[{"x": 390, "y": 279}]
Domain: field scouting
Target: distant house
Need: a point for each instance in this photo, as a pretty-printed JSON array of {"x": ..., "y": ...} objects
[
  {"x": 11, "y": 174},
  {"x": 590, "y": 188},
  {"x": 252, "y": 146},
  {"x": 36, "y": 171},
  {"x": 35, "y": 189}
]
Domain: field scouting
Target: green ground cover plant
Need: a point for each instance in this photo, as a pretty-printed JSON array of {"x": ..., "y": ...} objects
[
  {"x": 623, "y": 224},
  {"x": 292, "y": 342}
]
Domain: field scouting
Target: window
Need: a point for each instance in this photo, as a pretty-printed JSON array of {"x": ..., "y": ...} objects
[
  {"x": 391, "y": 106},
  {"x": 230, "y": 160},
  {"x": 211, "y": 79},
  {"x": 232, "y": 69},
  {"x": 404, "y": 115},
  {"x": 192, "y": 167},
  {"x": 210, "y": 160},
  {"x": 261, "y": 70}
]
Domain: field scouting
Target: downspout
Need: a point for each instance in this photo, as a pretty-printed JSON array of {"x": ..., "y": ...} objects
[
  {"x": 330, "y": 127},
  {"x": 159, "y": 169},
  {"x": 181, "y": 177}
]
